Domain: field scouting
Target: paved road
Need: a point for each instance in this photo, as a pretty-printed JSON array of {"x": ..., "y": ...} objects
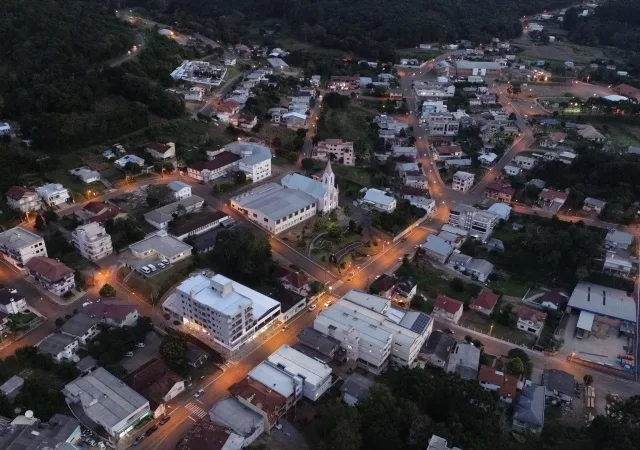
[{"x": 130, "y": 53}]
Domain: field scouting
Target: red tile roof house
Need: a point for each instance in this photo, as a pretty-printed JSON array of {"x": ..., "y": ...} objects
[
  {"x": 530, "y": 320},
  {"x": 551, "y": 199},
  {"x": 384, "y": 286},
  {"x": 485, "y": 302},
  {"x": 447, "y": 308},
  {"x": 495, "y": 380},
  {"x": 500, "y": 191},
  {"x": 297, "y": 282},
  {"x": 554, "y": 298},
  {"x": 447, "y": 151},
  {"x": 115, "y": 313},
  {"x": 51, "y": 274},
  {"x": 100, "y": 212},
  {"x": 156, "y": 382}
]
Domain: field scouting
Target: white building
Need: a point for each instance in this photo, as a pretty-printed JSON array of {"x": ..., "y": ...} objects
[
  {"x": 222, "y": 311},
  {"x": 161, "y": 245},
  {"x": 335, "y": 150},
  {"x": 161, "y": 151},
  {"x": 180, "y": 190},
  {"x": 126, "y": 159},
  {"x": 324, "y": 191},
  {"x": 107, "y": 401},
  {"x": 255, "y": 159},
  {"x": 479, "y": 223},
  {"x": 53, "y": 194},
  {"x": 372, "y": 332},
  {"x": 438, "y": 443},
  {"x": 316, "y": 375},
  {"x": 511, "y": 170},
  {"x": 86, "y": 174},
  {"x": 18, "y": 246},
  {"x": 161, "y": 217},
  {"x": 462, "y": 181},
  {"x": 23, "y": 199},
  {"x": 51, "y": 274},
  {"x": 12, "y": 302},
  {"x": 444, "y": 124},
  {"x": 60, "y": 347},
  {"x": 200, "y": 72},
  {"x": 92, "y": 241},
  {"x": 379, "y": 200},
  {"x": 524, "y": 162}
]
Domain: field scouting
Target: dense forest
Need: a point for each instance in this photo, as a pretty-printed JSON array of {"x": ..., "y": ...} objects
[{"x": 370, "y": 29}]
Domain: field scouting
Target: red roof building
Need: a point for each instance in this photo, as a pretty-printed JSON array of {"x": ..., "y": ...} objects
[
  {"x": 51, "y": 274},
  {"x": 485, "y": 302},
  {"x": 114, "y": 312},
  {"x": 448, "y": 308},
  {"x": 530, "y": 320},
  {"x": 552, "y": 199},
  {"x": 18, "y": 192},
  {"x": 499, "y": 190},
  {"x": 447, "y": 150},
  {"x": 214, "y": 168},
  {"x": 156, "y": 381},
  {"x": 627, "y": 91},
  {"x": 267, "y": 402},
  {"x": 100, "y": 212},
  {"x": 495, "y": 380},
  {"x": 296, "y": 281}
]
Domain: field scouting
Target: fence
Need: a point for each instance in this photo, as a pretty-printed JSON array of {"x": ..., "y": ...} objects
[{"x": 612, "y": 370}]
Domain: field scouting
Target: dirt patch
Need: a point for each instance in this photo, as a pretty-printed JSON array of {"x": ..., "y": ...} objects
[{"x": 96, "y": 162}]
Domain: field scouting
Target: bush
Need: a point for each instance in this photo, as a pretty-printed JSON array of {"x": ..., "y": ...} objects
[{"x": 107, "y": 291}]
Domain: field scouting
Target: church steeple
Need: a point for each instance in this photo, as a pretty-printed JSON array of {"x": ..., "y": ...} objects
[{"x": 328, "y": 178}]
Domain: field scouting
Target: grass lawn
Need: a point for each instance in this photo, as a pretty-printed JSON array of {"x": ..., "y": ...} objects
[
  {"x": 625, "y": 135},
  {"x": 479, "y": 322},
  {"x": 435, "y": 282},
  {"x": 112, "y": 174},
  {"x": 349, "y": 124},
  {"x": 153, "y": 288},
  {"x": 512, "y": 288}
]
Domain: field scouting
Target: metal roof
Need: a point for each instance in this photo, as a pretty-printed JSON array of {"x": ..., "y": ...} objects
[{"x": 277, "y": 202}]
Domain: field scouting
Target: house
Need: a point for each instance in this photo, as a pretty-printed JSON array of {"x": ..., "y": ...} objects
[
  {"x": 316, "y": 375},
  {"x": 379, "y": 200},
  {"x": 115, "y": 313},
  {"x": 161, "y": 151},
  {"x": 255, "y": 159},
  {"x": 438, "y": 443},
  {"x": 478, "y": 223},
  {"x": 457, "y": 163},
  {"x": 618, "y": 263},
  {"x": 59, "y": 346},
  {"x": 485, "y": 302},
  {"x": 81, "y": 327},
  {"x": 524, "y": 162},
  {"x": 7, "y": 130},
  {"x": 157, "y": 383},
  {"x": 464, "y": 360},
  {"x": 437, "y": 349},
  {"x": 180, "y": 189},
  {"x": 384, "y": 286},
  {"x": 447, "y": 308},
  {"x": 480, "y": 269},
  {"x": 271, "y": 405},
  {"x": 11, "y": 388},
  {"x": 554, "y": 298},
  {"x": 437, "y": 249},
  {"x": 462, "y": 181},
  {"x": 12, "y": 302},
  {"x": 511, "y": 171},
  {"x": 53, "y": 194},
  {"x": 189, "y": 225},
  {"x": 161, "y": 217},
  {"x": 23, "y": 199},
  {"x": 559, "y": 385},
  {"x": 616, "y": 239},
  {"x": 588, "y": 132},
  {"x": 86, "y": 365},
  {"x": 315, "y": 80},
  {"x": 499, "y": 190},
  {"x": 446, "y": 151},
  {"x": 160, "y": 245},
  {"x": 406, "y": 289},
  {"x": 530, "y": 320},
  {"x": 495, "y": 380},
  {"x": 344, "y": 83},
  {"x": 99, "y": 212},
  {"x": 196, "y": 356},
  {"x": 458, "y": 261},
  {"x": 206, "y": 435},
  {"x": 319, "y": 345},
  {"x": 501, "y": 210},
  {"x": 297, "y": 282},
  {"x": 335, "y": 150},
  {"x": 126, "y": 159},
  {"x": 51, "y": 274},
  {"x": 291, "y": 303},
  {"x": 551, "y": 199},
  {"x": 27, "y": 432},
  {"x": 488, "y": 159},
  {"x": 241, "y": 425},
  {"x": 92, "y": 241},
  {"x": 592, "y": 205},
  {"x": 355, "y": 388},
  {"x": 227, "y": 109},
  {"x": 96, "y": 394},
  {"x": 453, "y": 239},
  {"x": 217, "y": 166},
  {"x": 294, "y": 120},
  {"x": 528, "y": 413},
  {"x": 85, "y": 174}
]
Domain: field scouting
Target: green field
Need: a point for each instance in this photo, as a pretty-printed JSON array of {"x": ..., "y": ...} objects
[{"x": 348, "y": 124}]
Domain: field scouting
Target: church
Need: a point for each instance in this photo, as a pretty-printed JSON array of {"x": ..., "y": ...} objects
[{"x": 324, "y": 191}]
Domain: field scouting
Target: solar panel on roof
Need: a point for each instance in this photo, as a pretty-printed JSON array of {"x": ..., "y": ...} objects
[{"x": 420, "y": 324}]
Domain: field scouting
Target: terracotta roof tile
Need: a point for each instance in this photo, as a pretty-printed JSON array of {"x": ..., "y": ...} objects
[
  {"x": 447, "y": 304},
  {"x": 221, "y": 160},
  {"x": 486, "y": 300},
  {"x": 508, "y": 383},
  {"x": 51, "y": 269},
  {"x": 533, "y": 315},
  {"x": 17, "y": 192},
  {"x": 109, "y": 309},
  {"x": 269, "y": 401}
]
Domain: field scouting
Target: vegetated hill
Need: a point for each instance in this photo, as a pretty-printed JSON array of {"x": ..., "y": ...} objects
[{"x": 368, "y": 28}]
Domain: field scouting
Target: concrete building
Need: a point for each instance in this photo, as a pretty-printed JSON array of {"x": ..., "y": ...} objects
[
  {"x": 444, "y": 124},
  {"x": 462, "y": 181},
  {"x": 53, "y": 194},
  {"x": 180, "y": 190},
  {"x": 222, "y": 311},
  {"x": 316, "y": 375},
  {"x": 19, "y": 245},
  {"x": 51, "y": 274},
  {"x": 355, "y": 388},
  {"x": 161, "y": 217},
  {"x": 262, "y": 399},
  {"x": 255, "y": 159},
  {"x": 115, "y": 313},
  {"x": 23, "y": 199},
  {"x": 92, "y": 241},
  {"x": 464, "y": 68},
  {"x": 218, "y": 165},
  {"x": 238, "y": 419},
  {"x": 530, "y": 320},
  {"x": 528, "y": 413},
  {"x": 85, "y": 174},
  {"x": 161, "y": 151},
  {"x": 438, "y": 443},
  {"x": 437, "y": 249},
  {"x": 447, "y": 308},
  {"x": 81, "y": 327},
  {"x": 380, "y": 200},
  {"x": 12, "y": 302},
  {"x": 479, "y": 223},
  {"x": 26, "y": 432},
  {"x": 59, "y": 346},
  {"x": 107, "y": 401},
  {"x": 159, "y": 246},
  {"x": 464, "y": 360},
  {"x": 372, "y": 333},
  {"x": 335, "y": 150}
]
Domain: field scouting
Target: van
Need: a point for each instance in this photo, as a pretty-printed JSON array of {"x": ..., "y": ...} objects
[
  {"x": 152, "y": 267},
  {"x": 145, "y": 269}
]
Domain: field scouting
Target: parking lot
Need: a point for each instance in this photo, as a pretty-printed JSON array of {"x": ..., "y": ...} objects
[{"x": 143, "y": 355}]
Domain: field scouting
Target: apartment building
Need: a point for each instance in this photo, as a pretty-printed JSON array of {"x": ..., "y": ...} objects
[
  {"x": 479, "y": 223},
  {"x": 180, "y": 190},
  {"x": 92, "y": 241},
  {"x": 255, "y": 159},
  {"x": 23, "y": 199},
  {"x": 335, "y": 150},
  {"x": 316, "y": 375},
  {"x": 222, "y": 311},
  {"x": 462, "y": 181},
  {"x": 372, "y": 333},
  {"x": 53, "y": 194},
  {"x": 51, "y": 274},
  {"x": 18, "y": 246},
  {"x": 444, "y": 124}
]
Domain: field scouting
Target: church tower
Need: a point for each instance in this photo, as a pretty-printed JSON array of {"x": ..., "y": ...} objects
[
  {"x": 328, "y": 178},
  {"x": 331, "y": 191}
]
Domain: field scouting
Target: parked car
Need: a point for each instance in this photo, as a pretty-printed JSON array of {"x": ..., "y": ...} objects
[
  {"x": 161, "y": 265},
  {"x": 151, "y": 430},
  {"x": 138, "y": 439},
  {"x": 152, "y": 267},
  {"x": 285, "y": 328},
  {"x": 101, "y": 445},
  {"x": 164, "y": 420},
  {"x": 140, "y": 344},
  {"x": 129, "y": 354},
  {"x": 312, "y": 307},
  {"x": 145, "y": 269},
  {"x": 199, "y": 393}
]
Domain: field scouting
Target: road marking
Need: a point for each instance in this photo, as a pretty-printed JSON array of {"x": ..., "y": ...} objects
[
  {"x": 199, "y": 402},
  {"x": 189, "y": 417},
  {"x": 196, "y": 410}
]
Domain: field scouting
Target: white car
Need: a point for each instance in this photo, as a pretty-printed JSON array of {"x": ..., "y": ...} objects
[
  {"x": 101, "y": 445},
  {"x": 199, "y": 393},
  {"x": 128, "y": 354},
  {"x": 312, "y": 307},
  {"x": 140, "y": 344}
]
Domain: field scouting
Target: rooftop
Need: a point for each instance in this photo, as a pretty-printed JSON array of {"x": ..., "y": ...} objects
[
  {"x": 314, "y": 339},
  {"x": 383, "y": 283},
  {"x": 17, "y": 192},
  {"x": 161, "y": 243},
  {"x": 530, "y": 314},
  {"x": 620, "y": 238},
  {"x": 488, "y": 65},
  {"x": 530, "y": 406},
  {"x": 8, "y": 295},
  {"x": 486, "y": 299},
  {"x": 273, "y": 377},
  {"x": 177, "y": 185},
  {"x": 250, "y": 152},
  {"x": 51, "y": 269},
  {"x": 508, "y": 384},
  {"x": 55, "y": 343},
  {"x": 39, "y": 435},
  {"x": 217, "y": 162},
  {"x": 17, "y": 238},
  {"x": 357, "y": 386},
  {"x": 274, "y": 201},
  {"x": 307, "y": 185},
  {"x": 153, "y": 380},
  {"x": 447, "y": 304},
  {"x": 260, "y": 396},
  {"x": 79, "y": 324},
  {"x": 191, "y": 222},
  {"x": 116, "y": 310},
  {"x": 165, "y": 213},
  {"x": 297, "y": 363},
  {"x": 560, "y": 381},
  {"x": 437, "y": 245},
  {"x": 439, "y": 344},
  {"x": 378, "y": 197},
  {"x": 465, "y": 360},
  {"x": 232, "y": 414},
  {"x": 287, "y": 299},
  {"x": 604, "y": 301},
  {"x": 205, "y": 435}
]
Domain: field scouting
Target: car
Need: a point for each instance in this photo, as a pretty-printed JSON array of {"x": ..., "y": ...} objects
[
  {"x": 377, "y": 276},
  {"x": 90, "y": 441},
  {"x": 164, "y": 420},
  {"x": 138, "y": 439},
  {"x": 145, "y": 269},
  {"x": 152, "y": 267},
  {"x": 101, "y": 446},
  {"x": 328, "y": 303},
  {"x": 416, "y": 246},
  {"x": 151, "y": 430},
  {"x": 161, "y": 265},
  {"x": 285, "y": 328},
  {"x": 401, "y": 258},
  {"x": 140, "y": 344},
  {"x": 165, "y": 262},
  {"x": 176, "y": 322},
  {"x": 199, "y": 393},
  {"x": 312, "y": 307}
]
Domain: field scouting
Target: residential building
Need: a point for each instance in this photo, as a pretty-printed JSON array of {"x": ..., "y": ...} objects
[
  {"x": 559, "y": 385},
  {"x": 380, "y": 200},
  {"x": 161, "y": 245},
  {"x": 11, "y": 388},
  {"x": 126, "y": 159},
  {"x": 344, "y": 83},
  {"x": 23, "y": 199},
  {"x": 528, "y": 413},
  {"x": 161, "y": 217},
  {"x": 53, "y": 194},
  {"x": 502, "y": 210},
  {"x": 458, "y": 261},
  {"x": 81, "y": 327},
  {"x": 499, "y": 190},
  {"x": 315, "y": 374},
  {"x": 443, "y": 124},
  {"x": 464, "y": 68},
  {"x": 262, "y": 399},
  {"x": 180, "y": 190},
  {"x": 227, "y": 109},
  {"x": 255, "y": 159},
  {"x": 59, "y": 346},
  {"x": 284, "y": 383},
  {"x": 219, "y": 165},
  {"x": 27, "y": 432},
  {"x": 464, "y": 360},
  {"x": 99, "y": 212},
  {"x": 294, "y": 120},
  {"x": 206, "y": 435},
  {"x": 551, "y": 199},
  {"x": 314, "y": 343},
  {"x": 200, "y": 73},
  {"x": 222, "y": 311},
  {"x": 592, "y": 205},
  {"x": 115, "y": 313},
  {"x": 86, "y": 365},
  {"x": 462, "y": 181},
  {"x": 485, "y": 302},
  {"x": 355, "y": 388},
  {"x": 107, "y": 402},
  {"x": 156, "y": 382},
  {"x": 437, "y": 349},
  {"x": 589, "y": 133},
  {"x": 613, "y": 306},
  {"x": 523, "y": 162},
  {"x": 92, "y": 241},
  {"x": 51, "y": 274},
  {"x": 454, "y": 240},
  {"x": 618, "y": 263},
  {"x": 296, "y": 281},
  {"x": 325, "y": 190},
  {"x": 479, "y": 269},
  {"x": 384, "y": 286},
  {"x": 433, "y": 107},
  {"x": 437, "y": 249},
  {"x": 479, "y": 223},
  {"x": 530, "y": 320},
  {"x": 161, "y": 151},
  {"x": 438, "y": 443},
  {"x": 183, "y": 227},
  {"x": 372, "y": 332},
  {"x": 445, "y": 151},
  {"x": 554, "y": 298},
  {"x": 434, "y": 89},
  {"x": 494, "y": 380},
  {"x": 617, "y": 239},
  {"x": 335, "y": 150},
  {"x": 11, "y": 301},
  {"x": 237, "y": 420},
  {"x": 85, "y": 174},
  {"x": 410, "y": 153},
  {"x": 511, "y": 171},
  {"x": 447, "y": 308},
  {"x": 406, "y": 289},
  {"x": 291, "y": 303}
]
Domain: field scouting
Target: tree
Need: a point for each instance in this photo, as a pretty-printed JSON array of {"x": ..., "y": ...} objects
[
  {"x": 333, "y": 216},
  {"x": 457, "y": 284},
  {"x": 308, "y": 164},
  {"x": 243, "y": 254},
  {"x": 315, "y": 287},
  {"x": 159, "y": 195},
  {"x": 59, "y": 322},
  {"x": 515, "y": 366},
  {"x": 588, "y": 379},
  {"x": 40, "y": 225},
  {"x": 50, "y": 216},
  {"x": 107, "y": 290},
  {"x": 516, "y": 88},
  {"x": 239, "y": 177},
  {"x": 346, "y": 209},
  {"x": 173, "y": 349}
]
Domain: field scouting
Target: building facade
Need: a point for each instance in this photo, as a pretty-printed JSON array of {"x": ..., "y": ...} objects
[
  {"x": 23, "y": 199},
  {"x": 335, "y": 150},
  {"x": 92, "y": 241},
  {"x": 462, "y": 181},
  {"x": 19, "y": 245},
  {"x": 51, "y": 274}
]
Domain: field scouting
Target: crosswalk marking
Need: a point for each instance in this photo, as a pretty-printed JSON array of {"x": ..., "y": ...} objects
[{"x": 196, "y": 410}]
